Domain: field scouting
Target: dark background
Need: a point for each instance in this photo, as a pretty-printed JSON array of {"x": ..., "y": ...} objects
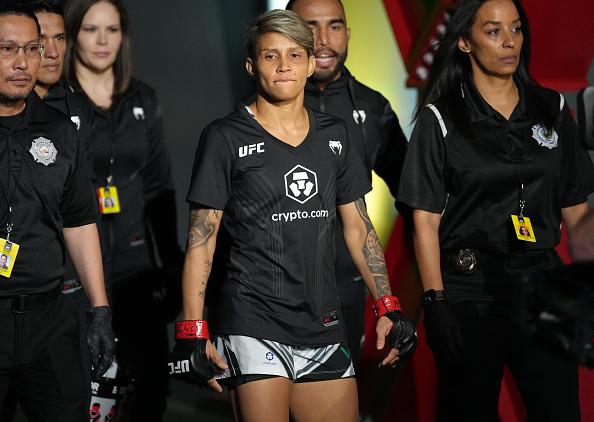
[{"x": 191, "y": 52}]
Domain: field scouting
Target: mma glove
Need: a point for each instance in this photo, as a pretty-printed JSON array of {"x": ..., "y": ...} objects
[
  {"x": 402, "y": 335},
  {"x": 188, "y": 361},
  {"x": 100, "y": 339},
  {"x": 442, "y": 329}
]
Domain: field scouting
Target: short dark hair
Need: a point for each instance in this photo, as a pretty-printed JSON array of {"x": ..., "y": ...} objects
[
  {"x": 284, "y": 22},
  {"x": 291, "y": 4},
  {"x": 46, "y": 7},
  {"x": 19, "y": 9},
  {"x": 74, "y": 13}
]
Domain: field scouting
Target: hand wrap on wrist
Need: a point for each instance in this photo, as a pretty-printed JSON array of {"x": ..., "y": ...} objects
[
  {"x": 188, "y": 361},
  {"x": 386, "y": 304}
]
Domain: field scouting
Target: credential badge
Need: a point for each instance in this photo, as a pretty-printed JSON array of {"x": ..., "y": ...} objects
[
  {"x": 43, "y": 151},
  {"x": 335, "y": 147},
  {"x": 544, "y": 137}
]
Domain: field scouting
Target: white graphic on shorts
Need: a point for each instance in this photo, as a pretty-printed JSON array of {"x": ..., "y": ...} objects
[
  {"x": 301, "y": 184},
  {"x": 545, "y": 137},
  {"x": 335, "y": 147}
]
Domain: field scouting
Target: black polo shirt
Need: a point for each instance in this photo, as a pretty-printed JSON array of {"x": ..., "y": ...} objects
[
  {"x": 278, "y": 225},
  {"x": 79, "y": 110},
  {"x": 474, "y": 182},
  {"x": 45, "y": 196}
]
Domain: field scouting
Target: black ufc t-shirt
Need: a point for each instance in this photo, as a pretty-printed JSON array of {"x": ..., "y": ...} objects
[{"x": 278, "y": 226}]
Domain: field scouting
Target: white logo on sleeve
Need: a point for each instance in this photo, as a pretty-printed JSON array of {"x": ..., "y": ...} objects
[
  {"x": 359, "y": 116},
  {"x": 76, "y": 121},
  {"x": 43, "y": 151},
  {"x": 301, "y": 184},
  {"x": 335, "y": 147},
  {"x": 246, "y": 150},
  {"x": 138, "y": 113}
]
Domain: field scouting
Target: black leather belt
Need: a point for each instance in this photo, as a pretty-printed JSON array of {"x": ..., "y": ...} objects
[
  {"x": 468, "y": 260},
  {"x": 20, "y": 304}
]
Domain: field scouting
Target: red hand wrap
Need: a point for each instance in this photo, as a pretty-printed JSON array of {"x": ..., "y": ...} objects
[
  {"x": 192, "y": 329},
  {"x": 386, "y": 304}
]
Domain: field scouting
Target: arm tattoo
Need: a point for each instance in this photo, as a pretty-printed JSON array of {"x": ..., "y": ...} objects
[
  {"x": 203, "y": 223},
  {"x": 373, "y": 253},
  {"x": 202, "y": 226}
]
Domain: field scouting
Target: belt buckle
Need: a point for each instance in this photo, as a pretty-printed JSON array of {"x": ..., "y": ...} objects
[
  {"x": 465, "y": 260},
  {"x": 19, "y": 304}
]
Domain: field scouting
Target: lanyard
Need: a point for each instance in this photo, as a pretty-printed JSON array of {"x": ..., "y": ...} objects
[
  {"x": 8, "y": 193},
  {"x": 519, "y": 166}
]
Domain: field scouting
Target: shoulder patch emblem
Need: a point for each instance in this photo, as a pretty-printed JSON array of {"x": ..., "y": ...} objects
[
  {"x": 138, "y": 113},
  {"x": 76, "y": 121},
  {"x": 359, "y": 116},
  {"x": 43, "y": 151},
  {"x": 335, "y": 147},
  {"x": 544, "y": 137}
]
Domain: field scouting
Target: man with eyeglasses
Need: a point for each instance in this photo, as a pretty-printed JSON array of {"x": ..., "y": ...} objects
[{"x": 47, "y": 205}]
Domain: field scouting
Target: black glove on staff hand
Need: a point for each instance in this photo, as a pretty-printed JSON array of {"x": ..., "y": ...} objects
[
  {"x": 100, "y": 339},
  {"x": 402, "y": 336},
  {"x": 441, "y": 327},
  {"x": 188, "y": 361}
]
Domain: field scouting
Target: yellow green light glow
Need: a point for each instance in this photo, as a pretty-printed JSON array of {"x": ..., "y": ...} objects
[{"x": 374, "y": 59}]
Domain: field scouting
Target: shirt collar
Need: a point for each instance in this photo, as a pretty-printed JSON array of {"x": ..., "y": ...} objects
[
  {"x": 477, "y": 109},
  {"x": 35, "y": 109},
  {"x": 58, "y": 91},
  {"x": 339, "y": 84}
]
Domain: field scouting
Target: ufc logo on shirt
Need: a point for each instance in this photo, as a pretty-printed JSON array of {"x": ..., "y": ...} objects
[{"x": 251, "y": 149}]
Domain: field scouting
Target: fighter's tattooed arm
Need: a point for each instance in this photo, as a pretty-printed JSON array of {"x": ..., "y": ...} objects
[
  {"x": 364, "y": 247},
  {"x": 202, "y": 233}
]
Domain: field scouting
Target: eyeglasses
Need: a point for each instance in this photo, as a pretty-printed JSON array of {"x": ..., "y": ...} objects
[{"x": 10, "y": 50}]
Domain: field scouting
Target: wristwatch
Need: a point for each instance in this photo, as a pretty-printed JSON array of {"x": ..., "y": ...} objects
[{"x": 432, "y": 296}]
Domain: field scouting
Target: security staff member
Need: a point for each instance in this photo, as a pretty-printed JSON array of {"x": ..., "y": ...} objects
[
  {"x": 46, "y": 205},
  {"x": 133, "y": 169},
  {"x": 491, "y": 152},
  {"x": 55, "y": 92},
  {"x": 373, "y": 128}
]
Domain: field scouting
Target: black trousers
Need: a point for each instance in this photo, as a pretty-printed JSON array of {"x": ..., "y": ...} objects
[
  {"x": 40, "y": 362},
  {"x": 483, "y": 304},
  {"x": 140, "y": 326}
]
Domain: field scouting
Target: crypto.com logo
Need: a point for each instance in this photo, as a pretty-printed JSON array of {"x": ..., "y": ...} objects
[{"x": 301, "y": 184}]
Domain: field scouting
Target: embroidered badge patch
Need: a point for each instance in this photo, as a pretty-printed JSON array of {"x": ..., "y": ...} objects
[
  {"x": 544, "y": 137},
  {"x": 43, "y": 151}
]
